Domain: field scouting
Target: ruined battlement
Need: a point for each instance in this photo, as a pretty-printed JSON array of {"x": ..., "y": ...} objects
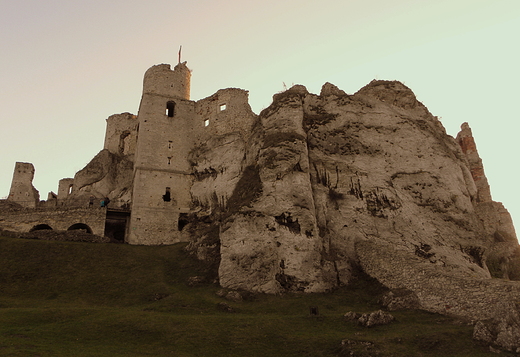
[
  {"x": 224, "y": 112},
  {"x": 121, "y": 134},
  {"x": 163, "y": 81},
  {"x": 22, "y": 191}
]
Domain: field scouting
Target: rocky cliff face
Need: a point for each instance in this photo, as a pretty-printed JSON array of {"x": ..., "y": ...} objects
[
  {"x": 107, "y": 175},
  {"x": 326, "y": 184}
]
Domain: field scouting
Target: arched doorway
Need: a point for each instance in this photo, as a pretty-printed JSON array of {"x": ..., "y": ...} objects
[
  {"x": 80, "y": 227},
  {"x": 40, "y": 227}
]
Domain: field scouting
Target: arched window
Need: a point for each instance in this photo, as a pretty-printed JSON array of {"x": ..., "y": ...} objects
[{"x": 170, "y": 109}]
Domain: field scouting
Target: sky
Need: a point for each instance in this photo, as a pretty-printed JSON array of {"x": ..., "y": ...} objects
[{"x": 67, "y": 65}]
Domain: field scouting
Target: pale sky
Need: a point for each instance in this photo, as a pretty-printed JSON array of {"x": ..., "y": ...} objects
[{"x": 67, "y": 65}]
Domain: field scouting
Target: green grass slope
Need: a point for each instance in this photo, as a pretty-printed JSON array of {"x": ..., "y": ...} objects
[{"x": 87, "y": 299}]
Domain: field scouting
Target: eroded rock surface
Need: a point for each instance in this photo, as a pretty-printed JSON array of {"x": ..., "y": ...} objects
[
  {"x": 328, "y": 183},
  {"x": 107, "y": 175}
]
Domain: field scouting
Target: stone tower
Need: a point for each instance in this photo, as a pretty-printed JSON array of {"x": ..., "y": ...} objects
[
  {"x": 162, "y": 179},
  {"x": 22, "y": 190}
]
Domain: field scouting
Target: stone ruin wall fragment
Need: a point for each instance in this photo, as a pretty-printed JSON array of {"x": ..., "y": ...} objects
[{"x": 22, "y": 190}]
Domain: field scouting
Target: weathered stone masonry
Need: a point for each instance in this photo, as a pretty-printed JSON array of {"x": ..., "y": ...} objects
[{"x": 91, "y": 220}]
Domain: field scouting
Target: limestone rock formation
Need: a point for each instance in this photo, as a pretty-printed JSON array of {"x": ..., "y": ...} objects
[
  {"x": 107, "y": 175},
  {"x": 503, "y": 253},
  {"x": 400, "y": 299},
  {"x": 327, "y": 183}
]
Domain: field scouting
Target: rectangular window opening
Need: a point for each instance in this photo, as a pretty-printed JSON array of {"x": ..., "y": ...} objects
[
  {"x": 170, "y": 109},
  {"x": 170, "y": 144},
  {"x": 206, "y": 122},
  {"x": 222, "y": 106},
  {"x": 167, "y": 195}
]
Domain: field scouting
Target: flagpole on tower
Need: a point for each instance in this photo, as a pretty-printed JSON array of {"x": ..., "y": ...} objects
[{"x": 180, "y": 49}]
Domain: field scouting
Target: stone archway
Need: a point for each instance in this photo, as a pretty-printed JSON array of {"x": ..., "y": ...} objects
[
  {"x": 40, "y": 227},
  {"x": 81, "y": 227}
]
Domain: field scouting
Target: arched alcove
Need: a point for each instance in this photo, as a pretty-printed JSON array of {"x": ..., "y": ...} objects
[
  {"x": 40, "y": 227},
  {"x": 81, "y": 227}
]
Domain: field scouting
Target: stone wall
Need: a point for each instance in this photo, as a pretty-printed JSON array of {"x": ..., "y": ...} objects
[
  {"x": 226, "y": 111},
  {"x": 22, "y": 191},
  {"x": 24, "y": 220},
  {"x": 65, "y": 188},
  {"x": 121, "y": 134}
]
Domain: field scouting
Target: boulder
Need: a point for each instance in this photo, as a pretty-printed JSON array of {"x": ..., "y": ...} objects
[{"x": 376, "y": 318}]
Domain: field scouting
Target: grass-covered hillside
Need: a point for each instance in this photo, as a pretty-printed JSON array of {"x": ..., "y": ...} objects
[{"x": 88, "y": 299}]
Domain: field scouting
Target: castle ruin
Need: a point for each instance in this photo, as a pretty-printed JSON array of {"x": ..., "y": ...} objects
[
  {"x": 298, "y": 198},
  {"x": 141, "y": 179}
]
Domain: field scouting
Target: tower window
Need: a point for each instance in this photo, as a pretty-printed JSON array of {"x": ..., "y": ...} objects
[
  {"x": 169, "y": 160},
  {"x": 170, "y": 109},
  {"x": 167, "y": 195},
  {"x": 170, "y": 144},
  {"x": 206, "y": 122},
  {"x": 222, "y": 107}
]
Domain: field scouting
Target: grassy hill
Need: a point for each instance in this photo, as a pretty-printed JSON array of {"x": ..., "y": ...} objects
[{"x": 88, "y": 299}]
